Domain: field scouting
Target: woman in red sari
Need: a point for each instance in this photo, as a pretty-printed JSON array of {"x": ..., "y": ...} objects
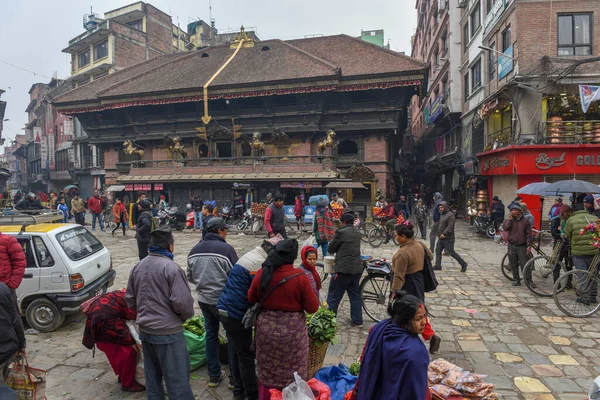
[{"x": 106, "y": 329}]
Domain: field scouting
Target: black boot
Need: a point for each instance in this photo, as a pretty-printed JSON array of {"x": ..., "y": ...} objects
[{"x": 516, "y": 282}]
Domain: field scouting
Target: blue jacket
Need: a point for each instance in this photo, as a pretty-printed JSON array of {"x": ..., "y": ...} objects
[
  {"x": 64, "y": 208},
  {"x": 209, "y": 264},
  {"x": 436, "y": 211},
  {"x": 233, "y": 302}
]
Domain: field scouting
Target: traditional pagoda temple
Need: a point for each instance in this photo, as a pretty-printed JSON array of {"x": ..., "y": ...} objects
[{"x": 308, "y": 115}]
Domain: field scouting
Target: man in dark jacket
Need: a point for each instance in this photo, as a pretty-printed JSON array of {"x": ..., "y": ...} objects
[
  {"x": 158, "y": 291},
  {"x": 12, "y": 336},
  {"x": 197, "y": 205},
  {"x": 402, "y": 207},
  {"x": 347, "y": 270},
  {"x": 520, "y": 239},
  {"x": 275, "y": 217},
  {"x": 209, "y": 264},
  {"x": 447, "y": 238},
  {"x": 135, "y": 212},
  {"x": 232, "y": 306},
  {"x": 207, "y": 214},
  {"x": 30, "y": 202},
  {"x": 437, "y": 199},
  {"x": 144, "y": 227},
  {"x": 497, "y": 212}
]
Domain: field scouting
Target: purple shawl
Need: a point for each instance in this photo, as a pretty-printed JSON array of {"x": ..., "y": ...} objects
[{"x": 394, "y": 365}]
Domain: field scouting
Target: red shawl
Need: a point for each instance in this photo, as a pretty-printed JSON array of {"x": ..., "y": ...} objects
[
  {"x": 305, "y": 264},
  {"x": 106, "y": 321},
  {"x": 325, "y": 227}
]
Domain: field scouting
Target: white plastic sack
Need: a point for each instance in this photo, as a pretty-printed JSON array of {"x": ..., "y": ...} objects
[
  {"x": 299, "y": 390},
  {"x": 140, "y": 376},
  {"x": 309, "y": 242}
]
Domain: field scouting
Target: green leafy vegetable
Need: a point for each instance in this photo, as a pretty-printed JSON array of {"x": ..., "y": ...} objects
[
  {"x": 322, "y": 326},
  {"x": 222, "y": 340},
  {"x": 354, "y": 368},
  {"x": 195, "y": 325}
]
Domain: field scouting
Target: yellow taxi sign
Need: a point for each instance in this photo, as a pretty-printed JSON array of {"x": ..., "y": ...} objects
[{"x": 39, "y": 228}]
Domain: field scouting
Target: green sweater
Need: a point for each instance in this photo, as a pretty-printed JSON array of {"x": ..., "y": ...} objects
[{"x": 581, "y": 245}]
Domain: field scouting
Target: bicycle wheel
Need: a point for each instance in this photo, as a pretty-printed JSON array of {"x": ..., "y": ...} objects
[
  {"x": 575, "y": 293},
  {"x": 108, "y": 220},
  {"x": 505, "y": 266},
  {"x": 364, "y": 229},
  {"x": 292, "y": 231},
  {"x": 539, "y": 275},
  {"x": 376, "y": 237},
  {"x": 374, "y": 294},
  {"x": 258, "y": 228}
]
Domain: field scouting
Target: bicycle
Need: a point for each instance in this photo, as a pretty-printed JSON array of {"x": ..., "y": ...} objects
[
  {"x": 575, "y": 293},
  {"x": 291, "y": 229},
  {"x": 505, "y": 265},
  {"x": 543, "y": 271},
  {"x": 375, "y": 287},
  {"x": 381, "y": 232}
]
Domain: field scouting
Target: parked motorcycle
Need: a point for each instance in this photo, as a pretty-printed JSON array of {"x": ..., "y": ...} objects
[
  {"x": 246, "y": 221},
  {"x": 172, "y": 217},
  {"x": 229, "y": 216},
  {"x": 484, "y": 224}
]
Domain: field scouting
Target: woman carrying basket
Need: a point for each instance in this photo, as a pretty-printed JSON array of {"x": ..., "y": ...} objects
[{"x": 281, "y": 332}]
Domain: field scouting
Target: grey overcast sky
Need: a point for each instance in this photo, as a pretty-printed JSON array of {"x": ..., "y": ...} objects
[{"x": 33, "y": 32}]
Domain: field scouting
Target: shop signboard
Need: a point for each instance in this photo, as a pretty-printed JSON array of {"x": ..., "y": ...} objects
[
  {"x": 494, "y": 15},
  {"x": 68, "y": 127},
  {"x": 142, "y": 187},
  {"x": 543, "y": 160},
  {"x": 435, "y": 109},
  {"x": 505, "y": 62},
  {"x": 242, "y": 185},
  {"x": 44, "y": 151},
  {"x": 158, "y": 186},
  {"x": 300, "y": 185},
  {"x": 51, "y": 152},
  {"x": 426, "y": 115},
  {"x": 129, "y": 188}
]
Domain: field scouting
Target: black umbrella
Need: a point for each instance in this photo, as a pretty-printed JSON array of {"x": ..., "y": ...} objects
[{"x": 572, "y": 186}]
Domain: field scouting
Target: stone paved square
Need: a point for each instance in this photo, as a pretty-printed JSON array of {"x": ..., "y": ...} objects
[{"x": 526, "y": 346}]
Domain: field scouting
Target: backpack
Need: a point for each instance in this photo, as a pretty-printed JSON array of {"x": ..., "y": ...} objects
[{"x": 154, "y": 222}]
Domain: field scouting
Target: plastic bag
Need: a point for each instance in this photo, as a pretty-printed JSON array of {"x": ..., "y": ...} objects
[
  {"x": 337, "y": 378},
  {"x": 196, "y": 346},
  {"x": 594, "y": 392},
  {"x": 299, "y": 390},
  {"x": 140, "y": 376},
  {"x": 28, "y": 382},
  {"x": 309, "y": 242}
]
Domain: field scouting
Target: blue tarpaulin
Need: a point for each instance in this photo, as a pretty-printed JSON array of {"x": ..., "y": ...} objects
[{"x": 339, "y": 380}]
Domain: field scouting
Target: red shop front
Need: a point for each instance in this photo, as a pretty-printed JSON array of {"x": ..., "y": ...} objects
[{"x": 512, "y": 167}]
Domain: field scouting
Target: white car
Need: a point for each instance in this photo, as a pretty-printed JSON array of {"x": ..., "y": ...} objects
[{"x": 66, "y": 265}]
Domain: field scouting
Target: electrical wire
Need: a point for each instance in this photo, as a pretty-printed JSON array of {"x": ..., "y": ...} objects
[{"x": 23, "y": 69}]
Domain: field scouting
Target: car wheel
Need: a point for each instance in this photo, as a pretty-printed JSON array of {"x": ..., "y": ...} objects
[{"x": 44, "y": 315}]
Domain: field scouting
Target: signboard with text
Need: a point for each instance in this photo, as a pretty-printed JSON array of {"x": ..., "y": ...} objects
[
  {"x": 37, "y": 135},
  {"x": 494, "y": 14},
  {"x": 505, "y": 62},
  {"x": 44, "y": 151},
  {"x": 543, "y": 160},
  {"x": 300, "y": 185},
  {"x": 51, "y": 152},
  {"x": 435, "y": 110}
]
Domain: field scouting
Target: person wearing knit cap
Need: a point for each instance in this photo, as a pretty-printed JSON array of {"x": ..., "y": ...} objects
[
  {"x": 519, "y": 240},
  {"x": 589, "y": 203}
]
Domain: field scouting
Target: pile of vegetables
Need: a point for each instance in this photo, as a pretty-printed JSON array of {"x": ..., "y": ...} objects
[
  {"x": 354, "y": 368},
  {"x": 195, "y": 325},
  {"x": 322, "y": 326}
]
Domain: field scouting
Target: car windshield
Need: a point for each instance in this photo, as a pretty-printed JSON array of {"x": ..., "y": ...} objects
[{"x": 78, "y": 243}]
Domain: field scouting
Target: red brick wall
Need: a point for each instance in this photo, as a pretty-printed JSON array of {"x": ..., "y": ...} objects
[
  {"x": 159, "y": 30},
  {"x": 375, "y": 149},
  {"x": 128, "y": 53},
  {"x": 538, "y": 30},
  {"x": 111, "y": 157}
]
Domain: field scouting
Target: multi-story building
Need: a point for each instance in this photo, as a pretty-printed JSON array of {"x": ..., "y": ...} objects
[
  {"x": 435, "y": 117},
  {"x": 529, "y": 124},
  {"x": 307, "y": 115},
  {"x": 2, "y": 111},
  {"x": 16, "y": 165}
]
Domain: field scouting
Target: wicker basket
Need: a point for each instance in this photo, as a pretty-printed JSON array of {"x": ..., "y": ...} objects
[{"x": 316, "y": 356}]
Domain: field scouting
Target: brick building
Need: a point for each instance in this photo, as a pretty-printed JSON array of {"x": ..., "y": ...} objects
[
  {"x": 290, "y": 92},
  {"x": 435, "y": 118},
  {"x": 538, "y": 52},
  {"x": 16, "y": 165}
]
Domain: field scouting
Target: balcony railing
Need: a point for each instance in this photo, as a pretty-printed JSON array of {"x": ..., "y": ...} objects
[
  {"x": 571, "y": 132},
  {"x": 311, "y": 163},
  {"x": 501, "y": 138}
]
